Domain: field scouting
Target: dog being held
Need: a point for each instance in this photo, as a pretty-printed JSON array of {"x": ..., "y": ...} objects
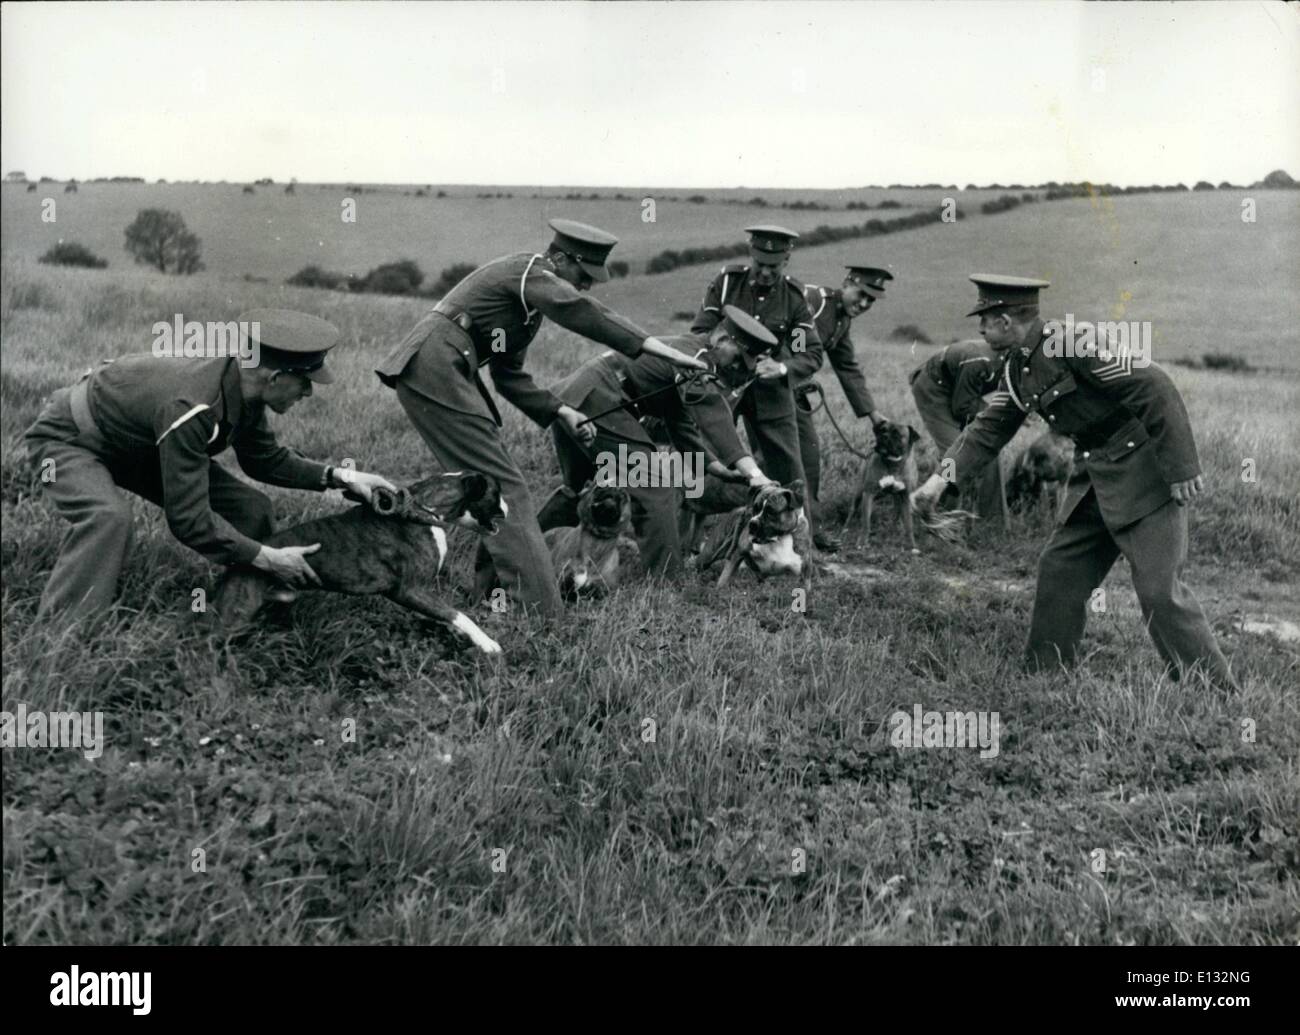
[
  {"x": 387, "y": 548},
  {"x": 891, "y": 471},
  {"x": 769, "y": 534},
  {"x": 589, "y": 558}
]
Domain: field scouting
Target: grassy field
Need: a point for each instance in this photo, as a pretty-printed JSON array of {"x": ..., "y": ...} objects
[
  {"x": 273, "y": 235},
  {"x": 524, "y": 802}
]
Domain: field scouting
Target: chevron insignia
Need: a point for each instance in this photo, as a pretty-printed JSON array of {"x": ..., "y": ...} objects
[{"x": 1112, "y": 365}]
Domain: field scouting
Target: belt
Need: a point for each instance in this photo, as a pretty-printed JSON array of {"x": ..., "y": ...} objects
[
  {"x": 1097, "y": 435},
  {"x": 79, "y": 400},
  {"x": 457, "y": 316}
]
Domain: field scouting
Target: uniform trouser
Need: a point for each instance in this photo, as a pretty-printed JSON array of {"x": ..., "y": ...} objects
[
  {"x": 934, "y": 406},
  {"x": 654, "y": 509},
  {"x": 516, "y": 557},
  {"x": 91, "y": 494},
  {"x": 810, "y": 452},
  {"x": 1075, "y": 562}
]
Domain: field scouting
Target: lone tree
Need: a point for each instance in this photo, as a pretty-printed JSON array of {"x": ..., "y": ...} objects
[{"x": 159, "y": 238}]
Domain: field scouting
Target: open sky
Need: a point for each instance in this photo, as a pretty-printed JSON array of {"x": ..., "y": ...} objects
[{"x": 808, "y": 94}]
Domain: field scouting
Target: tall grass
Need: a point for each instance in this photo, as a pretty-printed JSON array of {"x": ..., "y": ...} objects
[{"x": 676, "y": 764}]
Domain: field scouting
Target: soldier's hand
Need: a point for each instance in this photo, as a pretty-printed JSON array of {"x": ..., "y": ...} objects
[
  {"x": 288, "y": 563},
  {"x": 584, "y": 433},
  {"x": 727, "y": 474},
  {"x": 1184, "y": 492},
  {"x": 877, "y": 418},
  {"x": 928, "y": 494},
  {"x": 360, "y": 483},
  {"x": 654, "y": 347},
  {"x": 759, "y": 479},
  {"x": 769, "y": 369}
]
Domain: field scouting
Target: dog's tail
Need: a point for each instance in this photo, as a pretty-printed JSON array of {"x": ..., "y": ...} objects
[{"x": 948, "y": 525}]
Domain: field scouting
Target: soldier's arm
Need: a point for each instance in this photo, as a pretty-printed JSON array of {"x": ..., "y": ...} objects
[
  {"x": 710, "y": 314},
  {"x": 517, "y": 386},
  {"x": 806, "y": 361},
  {"x": 971, "y": 383},
  {"x": 1149, "y": 394},
  {"x": 844, "y": 361},
  {"x": 714, "y": 421},
  {"x": 984, "y": 437},
  {"x": 261, "y": 457},
  {"x": 184, "y": 464},
  {"x": 560, "y": 301}
]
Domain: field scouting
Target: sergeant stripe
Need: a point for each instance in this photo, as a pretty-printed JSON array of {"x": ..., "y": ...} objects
[{"x": 181, "y": 420}]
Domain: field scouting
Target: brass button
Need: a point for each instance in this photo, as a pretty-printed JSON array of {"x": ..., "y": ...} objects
[
  {"x": 1026, "y": 370},
  {"x": 1051, "y": 416},
  {"x": 1130, "y": 445},
  {"x": 1086, "y": 454}
]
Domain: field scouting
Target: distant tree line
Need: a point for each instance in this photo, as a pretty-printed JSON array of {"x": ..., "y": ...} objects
[{"x": 672, "y": 259}]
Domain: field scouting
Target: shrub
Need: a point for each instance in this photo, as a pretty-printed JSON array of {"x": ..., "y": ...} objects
[
  {"x": 449, "y": 278},
  {"x": 618, "y": 268},
  {"x": 69, "y": 253},
  {"x": 160, "y": 238},
  {"x": 1225, "y": 361},
  {"x": 393, "y": 278},
  {"x": 909, "y": 332},
  {"x": 1002, "y": 204},
  {"x": 315, "y": 277}
]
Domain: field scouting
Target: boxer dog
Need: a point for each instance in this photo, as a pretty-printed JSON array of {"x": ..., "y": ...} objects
[
  {"x": 589, "y": 558},
  {"x": 891, "y": 471},
  {"x": 1041, "y": 469},
  {"x": 769, "y": 534},
  {"x": 385, "y": 548}
]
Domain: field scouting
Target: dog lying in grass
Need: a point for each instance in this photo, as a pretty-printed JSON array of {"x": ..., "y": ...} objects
[
  {"x": 591, "y": 558},
  {"x": 769, "y": 534},
  {"x": 387, "y": 548}
]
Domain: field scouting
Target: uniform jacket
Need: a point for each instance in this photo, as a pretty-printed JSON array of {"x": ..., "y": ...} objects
[
  {"x": 1129, "y": 425},
  {"x": 504, "y": 302},
  {"x": 179, "y": 413},
  {"x": 827, "y": 308},
  {"x": 967, "y": 371},
  {"x": 695, "y": 416},
  {"x": 783, "y": 310}
]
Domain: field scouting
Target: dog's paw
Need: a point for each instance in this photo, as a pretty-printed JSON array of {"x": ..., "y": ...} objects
[{"x": 464, "y": 625}]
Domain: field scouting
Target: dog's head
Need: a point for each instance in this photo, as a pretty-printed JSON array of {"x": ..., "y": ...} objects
[
  {"x": 465, "y": 498},
  {"x": 605, "y": 510},
  {"x": 893, "y": 441},
  {"x": 775, "y": 510}
]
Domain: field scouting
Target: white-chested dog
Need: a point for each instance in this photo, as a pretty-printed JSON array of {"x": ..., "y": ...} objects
[{"x": 769, "y": 534}]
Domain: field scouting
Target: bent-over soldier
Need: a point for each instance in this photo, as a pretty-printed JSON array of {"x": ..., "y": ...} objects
[
  {"x": 489, "y": 319},
  {"x": 1139, "y": 469},
  {"x": 694, "y": 417},
  {"x": 150, "y": 426},
  {"x": 949, "y": 389}
]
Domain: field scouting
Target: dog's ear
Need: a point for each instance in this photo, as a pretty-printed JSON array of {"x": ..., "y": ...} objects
[
  {"x": 475, "y": 485},
  {"x": 913, "y": 436},
  {"x": 796, "y": 489}
]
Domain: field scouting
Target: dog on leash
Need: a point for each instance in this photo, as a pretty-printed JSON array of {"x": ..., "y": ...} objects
[
  {"x": 589, "y": 559},
  {"x": 1041, "y": 469},
  {"x": 891, "y": 471},
  {"x": 387, "y": 548},
  {"x": 769, "y": 534}
]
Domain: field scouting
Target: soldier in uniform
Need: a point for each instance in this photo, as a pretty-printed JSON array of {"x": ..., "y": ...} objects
[
  {"x": 489, "y": 319},
  {"x": 694, "y": 416},
  {"x": 833, "y": 312},
  {"x": 763, "y": 290},
  {"x": 150, "y": 426},
  {"x": 949, "y": 389},
  {"x": 1139, "y": 470}
]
